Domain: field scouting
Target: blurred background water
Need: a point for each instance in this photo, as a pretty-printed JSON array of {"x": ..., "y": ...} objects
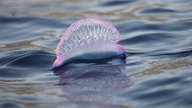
[{"x": 157, "y": 35}]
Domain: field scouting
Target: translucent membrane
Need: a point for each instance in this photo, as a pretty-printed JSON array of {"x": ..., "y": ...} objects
[{"x": 84, "y": 30}]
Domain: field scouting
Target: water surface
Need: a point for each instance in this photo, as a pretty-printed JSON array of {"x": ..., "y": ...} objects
[{"x": 156, "y": 34}]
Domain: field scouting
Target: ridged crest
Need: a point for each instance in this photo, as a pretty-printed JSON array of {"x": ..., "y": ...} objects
[{"x": 84, "y": 30}]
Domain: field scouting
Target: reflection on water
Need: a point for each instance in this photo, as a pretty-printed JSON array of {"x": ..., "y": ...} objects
[
  {"x": 156, "y": 34},
  {"x": 92, "y": 84}
]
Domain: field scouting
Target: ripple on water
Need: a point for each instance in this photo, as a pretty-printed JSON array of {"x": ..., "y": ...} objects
[
  {"x": 119, "y": 3},
  {"x": 136, "y": 26},
  {"x": 10, "y": 105},
  {"x": 20, "y": 28},
  {"x": 167, "y": 89},
  {"x": 22, "y": 63},
  {"x": 156, "y": 10}
]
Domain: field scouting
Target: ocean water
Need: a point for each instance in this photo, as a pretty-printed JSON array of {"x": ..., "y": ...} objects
[{"x": 157, "y": 36}]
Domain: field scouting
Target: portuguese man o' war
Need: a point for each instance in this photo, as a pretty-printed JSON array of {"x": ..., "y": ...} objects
[{"x": 88, "y": 39}]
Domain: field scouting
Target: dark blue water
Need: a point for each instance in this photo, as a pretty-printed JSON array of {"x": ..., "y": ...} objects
[{"x": 156, "y": 34}]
